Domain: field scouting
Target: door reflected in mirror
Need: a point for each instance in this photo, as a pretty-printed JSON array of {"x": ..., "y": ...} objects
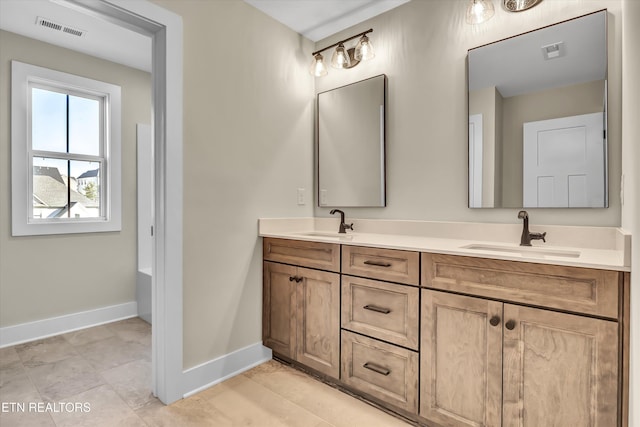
[
  {"x": 351, "y": 145},
  {"x": 538, "y": 118}
]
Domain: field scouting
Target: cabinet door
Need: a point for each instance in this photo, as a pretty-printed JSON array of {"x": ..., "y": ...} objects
[
  {"x": 559, "y": 369},
  {"x": 318, "y": 337},
  {"x": 279, "y": 308},
  {"x": 461, "y": 360}
]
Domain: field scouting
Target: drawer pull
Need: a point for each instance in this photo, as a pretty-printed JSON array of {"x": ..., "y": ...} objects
[
  {"x": 377, "y": 309},
  {"x": 377, "y": 369},
  {"x": 378, "y": 263}
]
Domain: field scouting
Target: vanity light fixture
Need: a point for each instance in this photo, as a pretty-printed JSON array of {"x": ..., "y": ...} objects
[
  {"x": 340, "y": 58},
  {"x": 519, "y": 5},
  {"x": 479, "y": 11},
  {"x": 343, "y": 58}
]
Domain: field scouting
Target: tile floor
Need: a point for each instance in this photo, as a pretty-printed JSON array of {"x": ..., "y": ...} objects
[{"x": 108, "y": 369}]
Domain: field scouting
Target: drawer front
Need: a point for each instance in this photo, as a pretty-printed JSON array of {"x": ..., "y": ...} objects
[
  {"x": 383, "y": 264},
  {"x": 382, "y": 370},
  {"x": 382, "y": 310},
  {"x": 323, "y": 256},
  {"x": 580, "y": 290}
]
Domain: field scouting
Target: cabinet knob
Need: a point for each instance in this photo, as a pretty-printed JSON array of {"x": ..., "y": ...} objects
[
  {"x": 494, "y": 320},
  {"x": 292, "y": 278},
  {"x": 510, "y": 325},
  {"x": 298, "y": 279}
]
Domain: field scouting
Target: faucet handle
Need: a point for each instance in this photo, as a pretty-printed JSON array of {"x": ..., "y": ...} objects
[
  {"x": 538, "y": 236},
  {"x": 349, "y": 226}
]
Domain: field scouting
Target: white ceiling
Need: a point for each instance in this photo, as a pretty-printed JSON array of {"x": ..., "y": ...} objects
[
  {"x": 516, "y": 65},
  {"x": 102, "y": 39},
  {"x": 315, "y": 19},
  {"x": 318, "y": 19}
]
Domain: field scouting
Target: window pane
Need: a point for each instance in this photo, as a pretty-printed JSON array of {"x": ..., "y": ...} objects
[
  {"x": 85, "y": 194},
  {"x": 52, "y": 188},
  {"x": 84, "y": 126},
  {"x": 48, "y": 120},
  {"x": 50, "y": 196}
]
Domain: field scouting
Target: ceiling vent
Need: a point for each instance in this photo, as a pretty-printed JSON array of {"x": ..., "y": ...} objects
[
  {"x": 48, "y": 23},
  {"x": 554, "y": 50}
]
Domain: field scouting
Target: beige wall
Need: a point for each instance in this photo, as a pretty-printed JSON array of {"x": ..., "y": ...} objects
[
  {"x": 422, "y": 47},
  {"x": 48, "y": 276},
  {"x": 248, "y": 146},
  {"x": 566, "y": 101}
]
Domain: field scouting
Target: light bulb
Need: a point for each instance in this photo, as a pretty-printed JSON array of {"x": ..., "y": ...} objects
[
  {"x": 364, "y": 49},
  {"x": 479, "y": 11},
  {"x": 317, "y": 67},
  {"x": 340, "y": 58}
]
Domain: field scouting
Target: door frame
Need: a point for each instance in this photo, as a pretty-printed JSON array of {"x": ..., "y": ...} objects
[{"x": 165, "y": 29}]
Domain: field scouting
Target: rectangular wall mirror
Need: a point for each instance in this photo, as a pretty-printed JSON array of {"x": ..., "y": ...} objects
[
  {"x": 351, "y": 144},
  {"x": 538, "y": 118}
]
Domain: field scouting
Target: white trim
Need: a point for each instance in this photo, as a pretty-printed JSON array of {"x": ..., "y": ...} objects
[
  {"x": 224, "y": 367},
  {"x": 22, "y": 76},
  {"x": 24, "y": 332},
  {"x": 165, "y": 28}
]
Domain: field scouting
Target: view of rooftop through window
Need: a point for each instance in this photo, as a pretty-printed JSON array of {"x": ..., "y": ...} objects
[{"x": 67, "y": 153}]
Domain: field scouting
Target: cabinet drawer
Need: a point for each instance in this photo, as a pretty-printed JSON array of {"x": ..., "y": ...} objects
[
  {"x": 575, "y": 289},
  {"x": 381, "y": 370},
  {"x": 383, "y": 264},
  {"x": 324, "y": 256},
  {"x": 382, "y": 310}
]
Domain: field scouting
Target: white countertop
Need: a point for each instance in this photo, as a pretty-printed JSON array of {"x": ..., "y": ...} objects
[{"x": 610, "y": 249}]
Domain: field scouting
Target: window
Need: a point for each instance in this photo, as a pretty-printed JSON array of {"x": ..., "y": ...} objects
[{"x": 65, "y": 143}]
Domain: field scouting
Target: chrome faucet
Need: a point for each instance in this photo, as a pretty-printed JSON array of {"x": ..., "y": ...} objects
[
  {"x": 343, "y": 227},
  {"x": 527, "y": 237}
]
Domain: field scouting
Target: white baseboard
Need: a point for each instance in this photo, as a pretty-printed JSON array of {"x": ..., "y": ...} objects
[
  {"x": 217, "y": 370},
  {"x": 24, "y": 332}
]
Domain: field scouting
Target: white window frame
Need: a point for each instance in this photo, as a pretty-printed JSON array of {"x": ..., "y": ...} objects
[{"x": 23, "y": 77}]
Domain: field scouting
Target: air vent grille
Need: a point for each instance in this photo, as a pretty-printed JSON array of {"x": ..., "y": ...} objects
[{"x": 48, "y": 23}]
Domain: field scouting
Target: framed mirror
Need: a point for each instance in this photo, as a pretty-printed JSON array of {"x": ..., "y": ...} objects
[
  {"x": 538, "y": 118},
  {"x": 351, "y": 144}
]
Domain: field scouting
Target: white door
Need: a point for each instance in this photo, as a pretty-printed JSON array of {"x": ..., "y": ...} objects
[
  {"x": 475, "y": 161},
  {"x": 564, "y": 162}
]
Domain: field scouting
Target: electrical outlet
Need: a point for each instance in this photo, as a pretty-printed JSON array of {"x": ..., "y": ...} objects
[{"x": 301, "y": 198}]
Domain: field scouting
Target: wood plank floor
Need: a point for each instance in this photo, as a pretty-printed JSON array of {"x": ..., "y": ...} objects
[{"x": 106, "y": 370}]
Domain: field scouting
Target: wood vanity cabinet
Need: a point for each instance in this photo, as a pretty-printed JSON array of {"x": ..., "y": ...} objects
[
  {"x": 453, "y": 341},
  {"x": 301, "y": 306},
  {"x": 486, "y": 362}
]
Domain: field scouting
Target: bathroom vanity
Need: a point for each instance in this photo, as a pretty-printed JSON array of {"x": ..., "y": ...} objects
[{"x": 444, "y": 337}]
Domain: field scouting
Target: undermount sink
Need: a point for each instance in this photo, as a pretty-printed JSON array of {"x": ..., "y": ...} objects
[
  {"x": 326, "y": 235},
  {"x": 524, "y": 251}
]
